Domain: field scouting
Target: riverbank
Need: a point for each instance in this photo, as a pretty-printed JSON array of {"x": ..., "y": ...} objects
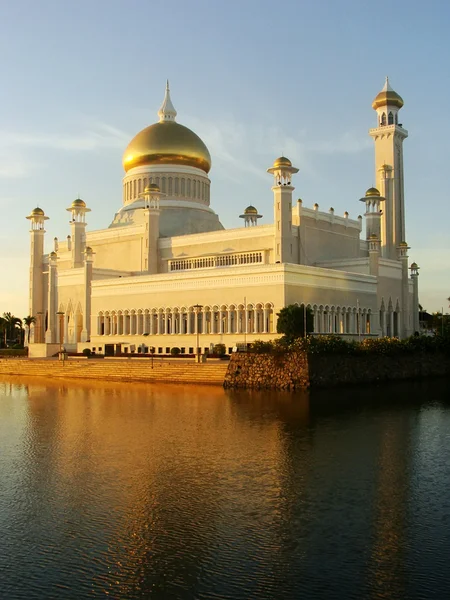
[
  {"x": 298, "y": 370},
  {"x": 118, "y": 369}
]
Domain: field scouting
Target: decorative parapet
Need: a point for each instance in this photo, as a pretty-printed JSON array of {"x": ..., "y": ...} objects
[{"x": 219, "y": 260}]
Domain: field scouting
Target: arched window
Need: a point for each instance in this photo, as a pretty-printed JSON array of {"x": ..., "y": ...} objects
[
  {"x": 383, "y": 119},
  {"x": 169, "y": 189},
  {"x": 177, "y": 186},
  {"x": 188, "y": 188},
  {"x": 183, "y": 187},
  {"x": 390, "y": 119}
]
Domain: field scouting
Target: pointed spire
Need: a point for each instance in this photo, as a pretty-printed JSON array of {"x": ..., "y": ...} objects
[
  {"x": 387, "y": 87},
  {"x": 167, "y": 111}
]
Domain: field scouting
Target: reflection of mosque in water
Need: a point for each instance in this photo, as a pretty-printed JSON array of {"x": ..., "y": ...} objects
[{"x": 178, "y": 482}]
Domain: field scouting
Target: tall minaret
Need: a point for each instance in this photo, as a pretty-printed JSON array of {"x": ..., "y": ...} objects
[
  {"x": 37, "y": 231},
  {"x": 388, "y": 137},
  {"x": 282, "y": 171},
  {"x": 78, "y": 230},
  {"x": 152, "y": 194}
]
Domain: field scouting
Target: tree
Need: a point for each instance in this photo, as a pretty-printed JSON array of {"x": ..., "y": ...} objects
[
  {"x": 28, "y": 322},
  {"x": 2, "y": 331},
  {"x": 292, "y": 320},
  {"x": 11, "y": 323}
]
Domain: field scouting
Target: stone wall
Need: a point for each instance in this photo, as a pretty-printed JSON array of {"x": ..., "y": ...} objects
[
  {"x": 266, "y": 371},
  {"x": 297, "y": 370}
]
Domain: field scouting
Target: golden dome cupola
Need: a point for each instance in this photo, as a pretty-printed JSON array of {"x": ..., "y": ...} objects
[
  {"x": 387, "y": 103},
  {"x": 167, "y": 143}
]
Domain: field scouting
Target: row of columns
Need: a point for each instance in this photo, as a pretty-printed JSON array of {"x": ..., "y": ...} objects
[
  {"x": 342, "y": 321},
  {"x": 188, "y": 322}
]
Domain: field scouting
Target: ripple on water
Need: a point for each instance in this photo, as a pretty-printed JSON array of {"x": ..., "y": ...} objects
[{"x": 133, "y": 492}]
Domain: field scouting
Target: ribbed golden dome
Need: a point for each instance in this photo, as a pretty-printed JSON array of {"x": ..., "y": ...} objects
[
  {"x": 282, "y": 161},
  {"x": 151, "y": 188},
  {"x": 372, "y": 192},
  {"x": 250, "y": 210},
  {"x": 387, "y": 96},
  {"x": 37, "y": 211},
  {"x": 79, "y": 202},
  {"x": 167, "y": 143}
]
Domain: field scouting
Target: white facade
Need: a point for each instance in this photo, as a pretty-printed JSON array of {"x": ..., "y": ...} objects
[{"x": 166, "y": 274}]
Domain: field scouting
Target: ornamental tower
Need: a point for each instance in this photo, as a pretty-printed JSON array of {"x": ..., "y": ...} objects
[
  {"x": 37, "y": 233},
  {"x": 78, "y": 210},
  {"x": 282, "y": 170},
  {"x": 388, "y": 137}
]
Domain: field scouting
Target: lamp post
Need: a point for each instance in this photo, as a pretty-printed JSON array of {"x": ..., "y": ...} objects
[{"x": 197, "y": 308}]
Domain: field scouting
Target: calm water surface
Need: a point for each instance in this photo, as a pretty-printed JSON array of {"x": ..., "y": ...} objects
[{"x": 136, "y": 491}]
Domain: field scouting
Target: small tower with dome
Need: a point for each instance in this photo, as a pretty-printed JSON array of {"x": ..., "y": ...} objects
[
  {"x": 78, "y": 210},
  {"x": 250, "y": 216},
  {"x": 282, "y": 171},
  {"x": 37, "y": 220},
  {"x": 388, "y": 137}
]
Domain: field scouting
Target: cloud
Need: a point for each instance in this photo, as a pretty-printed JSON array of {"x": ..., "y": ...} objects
[
  {"x": 101, "y": 135},
  {"x": 242, "y": 147}
]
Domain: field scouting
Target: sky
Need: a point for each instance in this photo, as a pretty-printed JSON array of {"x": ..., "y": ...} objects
[{"x": 254, "y": 78}]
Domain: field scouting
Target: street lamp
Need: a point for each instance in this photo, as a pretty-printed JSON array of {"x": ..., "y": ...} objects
[{"x": 198, "y": 308}]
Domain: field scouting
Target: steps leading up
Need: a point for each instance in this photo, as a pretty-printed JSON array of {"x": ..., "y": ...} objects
[{"x": 212, "y": 373}]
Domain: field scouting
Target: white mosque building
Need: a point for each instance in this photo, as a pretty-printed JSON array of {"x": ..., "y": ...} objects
[{"x": 165, "y": 273}]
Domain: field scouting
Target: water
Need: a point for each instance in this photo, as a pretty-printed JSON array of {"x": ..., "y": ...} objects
[{"x": 136, "y": 491}]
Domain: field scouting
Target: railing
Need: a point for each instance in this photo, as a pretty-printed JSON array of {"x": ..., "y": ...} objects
[{"x": 211, "y": 262}]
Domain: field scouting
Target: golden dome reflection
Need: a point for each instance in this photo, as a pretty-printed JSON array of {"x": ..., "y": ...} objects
[
  {"x": 372, "y": 192},
  {"x": 167, "y": 143}
]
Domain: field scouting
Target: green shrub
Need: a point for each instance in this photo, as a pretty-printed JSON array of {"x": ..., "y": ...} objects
[
  {"x": 220, "y": 349},
  {"x": 175, "y": 351},
  {"x": 87, "y": 351},
  {"x": 261, "y": 347}
]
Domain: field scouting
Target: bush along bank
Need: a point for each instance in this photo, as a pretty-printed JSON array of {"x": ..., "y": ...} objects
[{"x": 322, "y": 361}]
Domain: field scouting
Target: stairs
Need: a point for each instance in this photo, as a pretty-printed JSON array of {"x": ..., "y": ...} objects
[{"x": 164, "y": 370}]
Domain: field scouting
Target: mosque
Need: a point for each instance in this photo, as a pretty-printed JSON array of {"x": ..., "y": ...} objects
[{"x": 165, "y": 273}]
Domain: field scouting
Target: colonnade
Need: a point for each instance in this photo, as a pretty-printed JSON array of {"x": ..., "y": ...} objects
[{"x": 233, "y": 319}]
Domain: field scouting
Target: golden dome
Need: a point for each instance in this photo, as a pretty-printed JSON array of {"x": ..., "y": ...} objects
[
  {"x": 250, "y": 210},
  {"x": 79, "y": 203},
  {"x": 282, "y": 161},
  {"x": 372, "y": 192},
  {"x": 151, "y": 188},
  {"x": 387, "y": 96},
  {"x": 414, "y": 265},
  {"x": 37, "y": 211},
  {"x": 167, "y": 143}
]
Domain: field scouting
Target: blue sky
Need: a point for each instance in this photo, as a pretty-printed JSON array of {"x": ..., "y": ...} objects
[{"x": 253, "y": 78}]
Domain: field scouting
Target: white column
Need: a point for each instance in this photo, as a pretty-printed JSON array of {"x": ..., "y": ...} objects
[
  {"x": 246, "y": 319},
  {"x": 152, "y": 323},
  {"x": 203, "y": 321},
  {"x": 230, "y": 312},
  {"x": 66, "y": 328},
  {"x": 189, "y": 322},
  {"x": 166, "y": 323},
  {"x": 265, "y": 320},
  {"x": 107, "y": 324}
]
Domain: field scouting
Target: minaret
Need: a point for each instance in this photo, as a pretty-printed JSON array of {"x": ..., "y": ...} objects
[
  {"x": 282, "y": 171},
  {"x": 152, "y": 195},
  {"x": 88, "y": 267},
  {"x": 388, "y": 137},
  {"x": 36, "y": 309},
  {"x": 50, "y": 334},
  {"x": 78, "y": 230}
]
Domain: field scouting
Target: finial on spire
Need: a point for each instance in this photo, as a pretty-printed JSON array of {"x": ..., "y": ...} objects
[{"x": 167, "y": 111}]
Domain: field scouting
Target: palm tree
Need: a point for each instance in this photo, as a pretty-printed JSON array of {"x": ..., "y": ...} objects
[
  {"x": 10, "y": 325},
  {"x": 28, "y": 322},
  {"x": 3, "y": 329}
]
